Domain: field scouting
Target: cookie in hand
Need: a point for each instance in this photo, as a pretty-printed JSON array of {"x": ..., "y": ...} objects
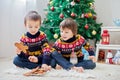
[{"x": 21, "y": 46}]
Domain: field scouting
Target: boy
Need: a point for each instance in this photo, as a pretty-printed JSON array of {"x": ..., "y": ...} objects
[
  {"x": 38, "y": 53},
  {"x": 71, "y": 43}
]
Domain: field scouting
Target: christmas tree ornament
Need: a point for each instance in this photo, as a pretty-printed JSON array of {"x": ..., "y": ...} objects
[
  {"x": 55, "y": 36},
  {"x": 82, "y": 16},
  {"x": 90, "y": 4},
  {"x": 73, "y": 57},
  {"x": 86, "y": 15},
  {"x": 105, "y": 37},
  {"x": 94, "y": 32},
  {"x": 61, "y": 15},
  {"x": 73, "y": 14},
  {"x": 94, "y": 17},
  {"x": 109, "y": 57},
  {"x": 90, "y": 14},
  {"x": 86, "y": 26},
  {"x": 72, "y": 3},
  {"x": 52, "y": 8}
]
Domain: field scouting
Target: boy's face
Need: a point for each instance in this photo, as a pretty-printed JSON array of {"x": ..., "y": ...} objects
[
  {"x": 66, "y": 33},
  {"x": 32, "y": 26}
]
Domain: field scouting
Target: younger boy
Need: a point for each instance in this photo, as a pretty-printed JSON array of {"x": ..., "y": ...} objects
[{"x": 71, "y": 43}]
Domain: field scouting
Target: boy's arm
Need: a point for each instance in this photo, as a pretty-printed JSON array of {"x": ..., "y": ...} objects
[{"x": 46, "y": 51}]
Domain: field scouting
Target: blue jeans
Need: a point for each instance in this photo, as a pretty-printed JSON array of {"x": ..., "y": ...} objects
[
  {"x": 59, "y": 59},
  {"x": 24, "y": 63}
]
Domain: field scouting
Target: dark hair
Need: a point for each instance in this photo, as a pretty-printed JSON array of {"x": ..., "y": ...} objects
[
  {"x": 70, "y": 24},
  {"x": 32, "y": 15}
]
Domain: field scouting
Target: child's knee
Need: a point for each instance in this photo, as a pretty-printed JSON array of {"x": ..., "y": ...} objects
[{"x": 92, "y": 66}]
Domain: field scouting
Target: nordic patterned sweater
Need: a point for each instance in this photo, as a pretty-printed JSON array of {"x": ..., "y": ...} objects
[
  {"x": 37, "y": 46},
  {"x": 73, "y": 45}
]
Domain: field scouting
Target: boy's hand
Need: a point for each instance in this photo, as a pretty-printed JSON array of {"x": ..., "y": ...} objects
[
  {"x": 21, "y": 47},
  {"x": 92, "y": 58},
  {"x": 33, "y": 59},
  {"x": 46, "y": 67},
  {"x": 18, "y": 51}
]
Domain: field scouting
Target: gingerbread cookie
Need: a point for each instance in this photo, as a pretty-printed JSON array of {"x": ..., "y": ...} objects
[
  {"x": 35, "y": 72},
  {"x": 21, "y": 46}
]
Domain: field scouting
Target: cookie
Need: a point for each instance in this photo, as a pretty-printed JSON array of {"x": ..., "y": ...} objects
[
  {"x": 21, "y": 46},
  {"x": 35, "y": 72}
]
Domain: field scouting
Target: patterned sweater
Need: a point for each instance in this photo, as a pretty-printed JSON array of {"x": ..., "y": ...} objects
[
  {"x": 37, "y": 46},
  {"x": 73, "y": 45}
]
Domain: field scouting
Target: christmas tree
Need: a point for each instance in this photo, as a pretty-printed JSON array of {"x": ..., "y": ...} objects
[{"x": 82, "y": 11}]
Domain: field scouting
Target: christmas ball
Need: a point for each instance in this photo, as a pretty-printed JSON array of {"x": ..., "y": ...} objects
[
  {"x": 72, "y": 3},
  {"x": 61, "y": 15},
  {"x": 52, "y": 8},
  {"x": 86, "y": 15},
  {"x": 90, "y": 4},
  {"x": 86, "y": 26},
  {"x": 94, "y": 17},
  {"x": 94, "y": 32},
  {"x": 72, "y": 14},
  {"x": 90, "y": 14},
  {"x": 55, "y": 36},
  {"x": 82, "y": 16}
]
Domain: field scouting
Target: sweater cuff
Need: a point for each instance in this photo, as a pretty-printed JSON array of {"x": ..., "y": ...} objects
[
  {"x": 46, "y": 59},
  {"x": 21, "y": 55}
]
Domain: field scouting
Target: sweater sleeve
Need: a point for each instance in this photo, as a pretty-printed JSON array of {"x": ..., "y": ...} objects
[
  {"x": 46, "y": 54},
  {"x": 46, "y": 51}
]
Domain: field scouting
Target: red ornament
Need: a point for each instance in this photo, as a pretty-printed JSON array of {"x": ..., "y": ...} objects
[
  {"x": 86, "y": 26},
  {"x": 52, "y": 8},
  {"x": 86, "y": 15},
  {"x": 94, "y": 17},
  {"x": 72, "y": 14},
  {"x": 61, "y": 15},
  {"x": 105, "y": 37}
]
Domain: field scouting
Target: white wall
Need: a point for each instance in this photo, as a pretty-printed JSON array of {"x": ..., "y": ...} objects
[
  {"x": 107, "y": 10},
  {"x": 12, "y": 13}
]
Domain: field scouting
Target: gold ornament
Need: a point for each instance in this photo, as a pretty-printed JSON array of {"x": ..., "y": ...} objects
[
  {"x": 94, "y": 32},
  {"x": 90, "y": 4},
  {"x": 90, "y": 14},
  {"x": 55, "y": 36},
  {"x": 51, "y": 2}
]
